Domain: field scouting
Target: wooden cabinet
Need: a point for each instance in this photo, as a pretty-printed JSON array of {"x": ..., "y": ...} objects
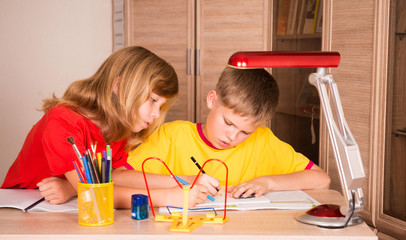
[
  {"x": 370, "y": 79},
  {"x": 208, "y": 32},
  {"x": 197, "y": 37},
  {"x": 297, "y": 118}
]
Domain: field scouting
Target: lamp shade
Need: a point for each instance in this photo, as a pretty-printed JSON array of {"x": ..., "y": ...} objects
[{"x": 272, "y": 59}]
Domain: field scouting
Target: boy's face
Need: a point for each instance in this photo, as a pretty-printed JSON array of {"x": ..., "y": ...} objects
[{"x": 224, "y": 128}]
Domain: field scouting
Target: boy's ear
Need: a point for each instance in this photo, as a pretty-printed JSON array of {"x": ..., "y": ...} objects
[
  {"x": 211, "y": 99},
  {"x": 115, "y": 85}
]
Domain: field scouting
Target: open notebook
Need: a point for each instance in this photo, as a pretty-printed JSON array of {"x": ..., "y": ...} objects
[
  {"x": 22, "y": 198},
  {"x": 272, "y": 200}
]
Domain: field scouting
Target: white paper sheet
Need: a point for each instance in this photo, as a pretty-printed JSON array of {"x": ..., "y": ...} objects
[
  {"x": 272, "y": 200},
  {"x": 22, "y": 198}
]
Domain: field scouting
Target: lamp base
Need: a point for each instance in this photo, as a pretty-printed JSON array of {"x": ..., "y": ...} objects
[{"x": 327, "y": 216}]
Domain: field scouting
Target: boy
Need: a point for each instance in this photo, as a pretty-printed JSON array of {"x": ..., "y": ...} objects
[{"x": 258, "y": 162}]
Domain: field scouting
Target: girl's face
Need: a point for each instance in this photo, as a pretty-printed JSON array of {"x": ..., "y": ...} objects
[{"x": 149, "y": 111}]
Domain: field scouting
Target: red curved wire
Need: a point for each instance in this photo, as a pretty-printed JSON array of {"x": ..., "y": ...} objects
[
  {"x": 201, "y": 169},
  {"x": 173, "y": 176},
  {"x": 146, "y": 182}
]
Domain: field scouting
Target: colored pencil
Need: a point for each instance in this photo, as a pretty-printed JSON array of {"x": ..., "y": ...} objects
[
  {"x": 99, "y": 157},
  {"x": 80, "y": 173},
  {"x": 107, "y": 172},
  {"x": 87, "y": 172},
  {"x": 93, "y": 168},
  {"x": 103, "y": 170}
]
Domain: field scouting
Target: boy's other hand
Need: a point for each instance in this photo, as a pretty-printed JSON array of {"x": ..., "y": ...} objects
[
  {"x": 246, "y": 189},
  {"x": 56, "y": 190}
]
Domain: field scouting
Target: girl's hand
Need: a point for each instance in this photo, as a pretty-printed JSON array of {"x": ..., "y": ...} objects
[
  {"x": 56, "y": 190},
  {"x": 256, "y": 186}
]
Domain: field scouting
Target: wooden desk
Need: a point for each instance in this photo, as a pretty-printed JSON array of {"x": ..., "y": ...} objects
[{"x": 264, "y": 224}]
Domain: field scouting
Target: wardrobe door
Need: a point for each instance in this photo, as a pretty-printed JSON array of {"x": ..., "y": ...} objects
[
  {"x": 166, "y": 27},
  {"x": 391, "y": 213},
  {"x": 222, "y": 28}
]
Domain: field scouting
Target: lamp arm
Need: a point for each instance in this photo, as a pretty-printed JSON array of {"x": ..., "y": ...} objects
[{"x": 346, "y": 151}]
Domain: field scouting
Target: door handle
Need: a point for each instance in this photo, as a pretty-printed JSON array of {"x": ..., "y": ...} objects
[{"x": 399, "y": 132}]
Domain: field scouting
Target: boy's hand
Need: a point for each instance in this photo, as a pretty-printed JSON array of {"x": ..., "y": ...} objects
[
  {"x": 211, "y": 183},
  {"x": 56, "y": 190},
  {"x": 198, "y": 194},
  {"x": 244, "y": 190}
]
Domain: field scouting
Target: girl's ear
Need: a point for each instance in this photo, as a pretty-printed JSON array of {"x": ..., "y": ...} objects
[
  {"x": 116, "y": 83},
  {"x": 211, "y": 99}
]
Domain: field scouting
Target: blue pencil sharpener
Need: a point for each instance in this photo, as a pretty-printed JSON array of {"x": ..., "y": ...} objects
[{"x": 139, "y": 206}]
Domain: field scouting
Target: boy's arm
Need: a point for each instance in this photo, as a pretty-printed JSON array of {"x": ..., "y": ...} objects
[{"x": 313, "y": 178}]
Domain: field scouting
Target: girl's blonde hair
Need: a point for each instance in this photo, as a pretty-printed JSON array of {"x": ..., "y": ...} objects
[
  {"x": 249, "y": 92},
  {"x": 133, "y": 73}
]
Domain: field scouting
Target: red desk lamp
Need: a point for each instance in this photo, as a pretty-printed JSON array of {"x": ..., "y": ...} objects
[{"x": 345, "y": 148}]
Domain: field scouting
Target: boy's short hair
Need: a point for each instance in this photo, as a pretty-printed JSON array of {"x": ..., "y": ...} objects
[{"x": 249, "y": 92}]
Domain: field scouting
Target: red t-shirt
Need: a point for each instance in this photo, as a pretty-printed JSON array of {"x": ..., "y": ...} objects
[{"x": 46, "y": 151}]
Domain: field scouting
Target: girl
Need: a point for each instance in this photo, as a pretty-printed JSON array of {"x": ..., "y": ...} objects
[{"x": 121, "y": 105}]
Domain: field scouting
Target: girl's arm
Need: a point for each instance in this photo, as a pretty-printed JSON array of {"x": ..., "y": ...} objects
[
  {"x": 132, "y": 178},
  {"x": 160, "y": 197},
  {"x": 313, "y": 178},
  {"x": 57, "y": 190}
]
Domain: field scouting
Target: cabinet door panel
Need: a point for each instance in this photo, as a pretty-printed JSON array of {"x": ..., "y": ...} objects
[
  {"x": 391, "y": 212},
  {"x": 165, "y": 27},
  {"x": 222, "y": 28}
]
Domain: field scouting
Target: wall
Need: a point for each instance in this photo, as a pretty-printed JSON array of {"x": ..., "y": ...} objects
[{"x": 45, "y": 45}]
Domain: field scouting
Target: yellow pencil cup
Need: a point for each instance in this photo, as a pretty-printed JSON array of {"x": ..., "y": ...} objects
[{"x": 95, "y": 204}]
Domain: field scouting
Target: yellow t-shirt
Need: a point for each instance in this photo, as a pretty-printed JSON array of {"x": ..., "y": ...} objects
[{"x": 175, "y": 143}]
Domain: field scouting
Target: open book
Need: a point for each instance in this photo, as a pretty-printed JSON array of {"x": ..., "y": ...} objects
[
  {"x": 22, "y": 198},
  {"x": 272, "y": 200}
]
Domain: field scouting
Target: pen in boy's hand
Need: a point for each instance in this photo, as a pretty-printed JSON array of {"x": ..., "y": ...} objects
[
  {"x": 199, "y": 167},
  {"x": 197, "y": 164}
]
